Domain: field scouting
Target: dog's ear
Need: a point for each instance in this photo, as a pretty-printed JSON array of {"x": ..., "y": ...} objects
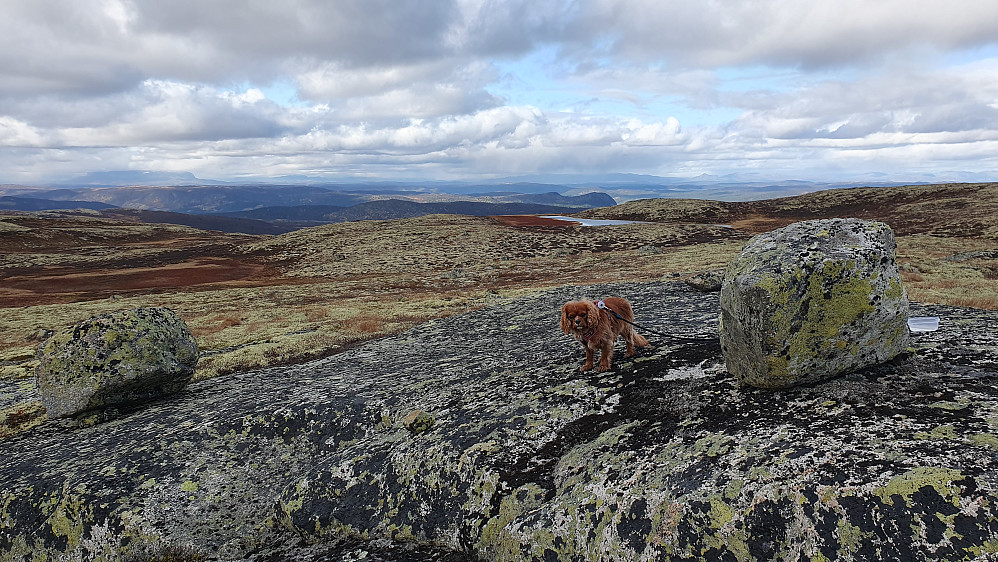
[
  {"x": 595, "y": 318},
  {"x": 566, "y": 326}
]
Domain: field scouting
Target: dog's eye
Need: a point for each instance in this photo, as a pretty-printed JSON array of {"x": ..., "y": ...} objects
[{"x": 583, "y": 315}]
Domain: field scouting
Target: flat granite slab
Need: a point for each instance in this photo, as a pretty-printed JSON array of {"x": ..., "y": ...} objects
[{"x": 475, "y": 437}]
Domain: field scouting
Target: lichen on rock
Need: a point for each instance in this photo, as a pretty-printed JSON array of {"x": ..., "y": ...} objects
[
  {"x": 666, "y": 457},
  {"x": 813, "y": 300},
  {"x": 418, "y": 421},
  {"x": 115, "y": 359}
]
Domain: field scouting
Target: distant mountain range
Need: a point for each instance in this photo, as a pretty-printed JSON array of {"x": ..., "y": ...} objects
[
  {"x": 117, "y": 178},
  {"x": 205, "y": 199},
  {"x": 266, "y": 209},
  {"x": 282, "y": 204},
  {"x": 739, "y": 186},
  {"x": 12, "y": 203}
]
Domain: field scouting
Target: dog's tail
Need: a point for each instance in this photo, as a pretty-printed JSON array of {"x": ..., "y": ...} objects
[{"x": 639, "y": 340}]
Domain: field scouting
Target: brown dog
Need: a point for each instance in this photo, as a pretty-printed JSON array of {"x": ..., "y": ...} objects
[{"x": 598, "y": 329}]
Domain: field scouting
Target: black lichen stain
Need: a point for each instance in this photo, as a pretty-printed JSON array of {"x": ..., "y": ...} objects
[
  {"x": 766, "y": 527},
  {"x": 635, "y": 526},
  {"x": 538, "y": 467}
]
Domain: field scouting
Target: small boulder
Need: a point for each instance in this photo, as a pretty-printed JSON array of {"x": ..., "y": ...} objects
[
  {"x": 418, "y": 421},
  {"x": 115, "y": 359},
  {"x": 706, "y": 281},
  {"x": 812, "y": 300}
]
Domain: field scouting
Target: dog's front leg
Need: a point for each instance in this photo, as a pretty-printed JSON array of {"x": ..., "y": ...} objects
[
  {"x": 589, "y": 358},
  {"x": 606, "y": 356}
]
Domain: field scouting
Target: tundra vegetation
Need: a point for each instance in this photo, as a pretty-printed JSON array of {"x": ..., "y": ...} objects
[{"x": 254, "y": 301}]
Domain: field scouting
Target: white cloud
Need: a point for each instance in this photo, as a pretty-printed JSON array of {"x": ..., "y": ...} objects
[
  {"x": 425, "y": 87},
  {"x": 18, "y": 133},
  {"x": 416, "y": 91},
  {"x": 953, "y": 100},
  {"x": 655, "y": 134}
]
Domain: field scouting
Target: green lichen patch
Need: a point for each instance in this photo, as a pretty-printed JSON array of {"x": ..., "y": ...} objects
[{"x": 941, "y": 480}]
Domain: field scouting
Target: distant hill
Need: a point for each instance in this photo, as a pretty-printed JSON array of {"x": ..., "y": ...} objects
[
  {"x": 399, "y": 209},
  {"x": 586, "y": 201},
  {"x": 276, "y": 209},
  {"x": 962, "y": 209},
  {"x": 203, "y": 222},
  {"x": 13, "y": 203},
  {"x": 136, "y": 177},
  {"x": 205, "y": 198}
]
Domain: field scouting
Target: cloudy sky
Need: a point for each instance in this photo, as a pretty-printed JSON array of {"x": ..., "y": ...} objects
[{"x": 458, "y": 89}]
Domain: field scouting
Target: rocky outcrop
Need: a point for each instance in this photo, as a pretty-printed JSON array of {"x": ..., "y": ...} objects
[
  {"x": 115, "y": 359},
  {"x": 812, "y": 300},
  {"x": 519, "y": 457}
]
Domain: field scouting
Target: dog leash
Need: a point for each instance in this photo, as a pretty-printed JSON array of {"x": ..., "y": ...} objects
[{"x": 602, "y": 305}]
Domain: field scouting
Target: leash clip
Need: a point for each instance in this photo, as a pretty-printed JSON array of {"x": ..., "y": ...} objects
[{"x": 601, "y": 304}]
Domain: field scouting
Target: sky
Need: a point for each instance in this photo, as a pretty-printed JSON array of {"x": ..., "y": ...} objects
[{"x": 466, "y": 89}]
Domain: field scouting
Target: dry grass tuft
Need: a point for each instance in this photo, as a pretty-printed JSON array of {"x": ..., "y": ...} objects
[
  {"x": 21, "y": 417},
  {"x": 364, "y": 325}
]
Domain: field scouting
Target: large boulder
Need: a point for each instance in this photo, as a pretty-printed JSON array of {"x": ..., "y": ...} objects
[
  {"x": 115, "y": 359},
  {"x": 813, "y": 300}
]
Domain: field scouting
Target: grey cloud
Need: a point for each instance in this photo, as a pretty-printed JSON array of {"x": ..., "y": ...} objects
[
  {"x": 423, "y": 90},
  {"x": 857, "y": 126},
  {"x": 86, "y": 45},
  {"x": 61, "y": 47},
  {"x": 514, "y": 27},
  {"x": 355, "y": 32},
  {"x": 83, "y": 45},
  {"x": 158, "y": 112},
  {"x": 795, "y": 34},
  {"x": 956, "y": 117}
]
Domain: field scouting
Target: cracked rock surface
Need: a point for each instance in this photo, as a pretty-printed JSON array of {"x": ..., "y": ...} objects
[{"x": 475, "y": 437}]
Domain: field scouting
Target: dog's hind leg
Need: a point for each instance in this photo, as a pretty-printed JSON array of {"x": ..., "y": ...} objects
[
  {"x": 629, "y": 337},
  {"x": 634, "y": 339}
]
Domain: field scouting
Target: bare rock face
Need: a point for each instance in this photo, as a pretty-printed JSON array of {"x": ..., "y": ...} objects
[
  {"x": 813, "y": 300},
  {"x": 114, "y": 359},
  {"x": 665, "y": 457}
]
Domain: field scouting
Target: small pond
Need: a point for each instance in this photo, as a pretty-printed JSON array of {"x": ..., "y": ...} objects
[{"x": 589, "y": 222}]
